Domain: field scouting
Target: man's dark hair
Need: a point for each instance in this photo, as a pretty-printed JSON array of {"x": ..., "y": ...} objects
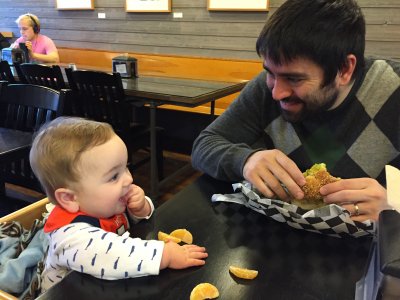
[{"x": 324, "y": 31}]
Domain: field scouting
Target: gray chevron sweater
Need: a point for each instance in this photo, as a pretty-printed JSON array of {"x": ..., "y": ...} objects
[{"x": 356, "y": 139}]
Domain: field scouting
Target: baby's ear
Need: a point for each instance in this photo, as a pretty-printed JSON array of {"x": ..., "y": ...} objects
[{"x": 66, "y": 198}]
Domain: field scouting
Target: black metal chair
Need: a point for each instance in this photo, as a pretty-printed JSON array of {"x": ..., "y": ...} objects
[
  {"x": 5, "y": 72},
  {"x": 100, "y": 96},
  {"x": 43, "y": 75},
  {"x": 26, "y": 107}
]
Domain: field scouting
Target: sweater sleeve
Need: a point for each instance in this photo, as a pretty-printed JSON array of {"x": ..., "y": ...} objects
[
  {"x": 222, "y": 149},
  {"x": 102, "y": 254}
]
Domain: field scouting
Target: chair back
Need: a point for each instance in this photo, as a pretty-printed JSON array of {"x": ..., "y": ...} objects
[
  {"x": 26, "y": 107},
  {"x": 43, "y": 75},
  {"x": 5, "y": 72},
  {"x": 100, "y": 96}
]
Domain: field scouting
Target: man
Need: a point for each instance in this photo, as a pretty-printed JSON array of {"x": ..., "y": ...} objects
[
  {"x": 318, "y": 100},
  {"x": 39, "y": 47}
]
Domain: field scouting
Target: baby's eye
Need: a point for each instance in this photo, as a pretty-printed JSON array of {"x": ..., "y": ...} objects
[{"x": 114, "y": 177}]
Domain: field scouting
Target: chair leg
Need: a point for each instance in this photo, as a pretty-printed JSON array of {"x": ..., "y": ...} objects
[{"x": 160, "y": 156}]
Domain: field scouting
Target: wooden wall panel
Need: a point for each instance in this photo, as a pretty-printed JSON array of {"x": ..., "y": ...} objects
[{"x": 230, "y": 35}]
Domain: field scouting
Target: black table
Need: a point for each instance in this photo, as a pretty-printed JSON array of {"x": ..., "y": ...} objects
[
  {"x": 14, "y": 144},
  {"x": 156, "y": 91},
  {"x": 179, "y": 91},
  {"x": 292, "y": 264}
]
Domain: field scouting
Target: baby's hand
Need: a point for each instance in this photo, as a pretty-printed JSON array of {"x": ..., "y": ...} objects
[
  {"x": 137, "y": 203},
  {"x": 176, "y": 256}
]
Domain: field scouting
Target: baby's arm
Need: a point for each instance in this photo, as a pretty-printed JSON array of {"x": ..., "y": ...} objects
[
  {"x": 102, "y": 254},
  {"x": 175, "y": 256}
]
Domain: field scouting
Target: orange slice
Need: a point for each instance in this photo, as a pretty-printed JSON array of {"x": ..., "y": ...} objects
[
  {"x": 204, "y": 291},
  {"x": 162, "y": 236},
  {"x": 183, "y": 234},
  {"x": 243, "y": 273}
]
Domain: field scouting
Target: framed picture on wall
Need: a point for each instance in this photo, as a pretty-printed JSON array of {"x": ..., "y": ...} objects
[
  {"x": 74, "y": 4},
  {"x": 241, "y": 5},
  {"x": 148, "y": 5}
]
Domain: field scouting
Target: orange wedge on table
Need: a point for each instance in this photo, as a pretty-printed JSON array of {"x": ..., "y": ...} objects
[
  {"x": 183, "y": 234},
  {"x": 204, "y": 291},
  {"x": 165, "y": 237},
  {"x": 243, "y": 273}
]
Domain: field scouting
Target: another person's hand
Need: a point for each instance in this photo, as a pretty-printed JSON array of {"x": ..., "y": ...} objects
[
  {"x": 364, "y": 198},
  {"x": 29, "y": 47},
  {"x": 180, "y": 257},
  {"x": 51, "y": 57},
  {"x": 137, "y": 203},
  {"x": 267, "y": 170}
]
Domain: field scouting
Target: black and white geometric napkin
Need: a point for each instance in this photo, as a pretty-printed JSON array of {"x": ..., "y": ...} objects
[{"x": 331, "y": 220}]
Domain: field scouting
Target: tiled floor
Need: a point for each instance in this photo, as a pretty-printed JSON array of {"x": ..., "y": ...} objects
[{"x": 141, "y": 177}]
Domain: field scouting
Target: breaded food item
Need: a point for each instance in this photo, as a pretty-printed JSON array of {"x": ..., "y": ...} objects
[{"x": 316, "y": 177}]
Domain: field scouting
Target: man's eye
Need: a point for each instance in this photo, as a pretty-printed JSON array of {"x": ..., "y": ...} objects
[
  {"x": 294, "y": 79},
  {"x": 270, "y": 75}
]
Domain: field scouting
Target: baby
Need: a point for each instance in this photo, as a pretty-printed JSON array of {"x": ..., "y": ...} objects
[{"x": 81, "y": 164}]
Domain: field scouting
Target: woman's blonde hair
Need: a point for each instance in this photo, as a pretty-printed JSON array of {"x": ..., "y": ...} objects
[{"x": 58, "y": 146}]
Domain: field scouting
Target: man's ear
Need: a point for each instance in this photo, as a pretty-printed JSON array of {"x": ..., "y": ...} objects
[
  {"x": 347, "y": 71},
  {"x": 67, "y": 199}
]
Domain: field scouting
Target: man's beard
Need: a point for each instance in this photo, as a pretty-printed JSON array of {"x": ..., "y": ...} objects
[{"x": 313, "y": 104}]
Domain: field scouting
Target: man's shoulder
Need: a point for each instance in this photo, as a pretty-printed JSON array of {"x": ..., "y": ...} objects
[
  {"x": 261, "y": 76},
  {"x": 374, "y": 61},
  {"x": 379, "y": 83},
  {"x": 256, "y": 89},
  {"x": 44, "y": 39},
  {"x": 258, "y": 80}
]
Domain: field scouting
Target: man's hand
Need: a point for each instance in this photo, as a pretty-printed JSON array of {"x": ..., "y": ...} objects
[
  {"x": 29, "y": 47},
  {"x": 364, "y": 194},
  {"x": 267, "y": 170},
  {"x": 137, "y": 203}
]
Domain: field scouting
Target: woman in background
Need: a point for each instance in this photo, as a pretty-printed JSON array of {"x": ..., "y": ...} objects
[{"x": 40, "y": 47}]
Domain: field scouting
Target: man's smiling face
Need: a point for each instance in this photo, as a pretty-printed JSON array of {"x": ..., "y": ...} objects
[{"x": 297, "y": 85}]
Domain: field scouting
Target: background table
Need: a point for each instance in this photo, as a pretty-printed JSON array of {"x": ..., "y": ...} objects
[
  {"x": 157, "y": 91},
  {"x": 292, "y": 264},
  {"x": 14, "y": 144},
  {"x": 179, "y": 91}
]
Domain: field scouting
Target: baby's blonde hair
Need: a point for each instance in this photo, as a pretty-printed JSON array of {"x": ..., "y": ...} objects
[{"x": 58, "y": 146}]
